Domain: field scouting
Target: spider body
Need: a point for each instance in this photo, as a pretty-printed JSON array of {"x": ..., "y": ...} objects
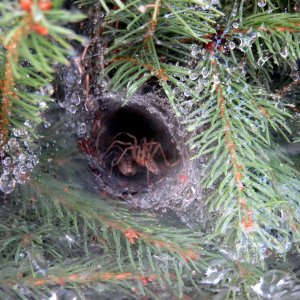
[
  {"x": 133, "y": 154},
  {"x": 127, "y": 166}
]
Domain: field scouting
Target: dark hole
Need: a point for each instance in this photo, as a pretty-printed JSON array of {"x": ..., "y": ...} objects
[
  {"x": 136, "y": 122},
  {"x": 131, "y": 121}
]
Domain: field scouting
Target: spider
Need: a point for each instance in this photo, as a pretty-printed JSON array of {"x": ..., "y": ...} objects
[
  {"x": 125, "y": 165},
  {"x": 134, "y": 154}
]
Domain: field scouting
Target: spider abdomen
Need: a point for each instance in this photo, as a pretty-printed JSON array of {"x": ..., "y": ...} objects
[{"x": 127, "y": 167}]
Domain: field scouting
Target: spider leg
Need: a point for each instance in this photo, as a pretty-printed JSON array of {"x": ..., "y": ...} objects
[
  {"x": 158, "y": 147},
  {"x": 148, "y": 176},
  {"x": 128, "y": 134},
  {"x": 133, "y": 137},
  {"x": 124, "y": 152},
  {"x": 113, "y": 151},
  {"x": 118, "y": 142},
  {"x": 140, "y": 155},
  {"x": 97, "y": 141},
  {"x": 135, "y": 144},
  {"x": 113, "y": 144},
  {"x": 118, "y": 134},
  {"x": 113, "y": 163}
]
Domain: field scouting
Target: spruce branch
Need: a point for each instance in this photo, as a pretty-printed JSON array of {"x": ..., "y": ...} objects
[
  {"x": 132, "y": 231},
  {"x": 120, "y": 234},
  {"x": 236, "y": 112},
  {"x": 62, "y": 234},
  {"x": 157, "y": 32},
  {"x": 74, "y": 274},
  {"x": 234, "y": 108},
  {"x": 29, "y": 28},
  {"x": 65, "y": 211},
  {"x": 34, "y": 41}
]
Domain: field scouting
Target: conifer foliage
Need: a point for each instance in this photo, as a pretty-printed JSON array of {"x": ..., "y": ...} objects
[{"x": 217, "y": 63}]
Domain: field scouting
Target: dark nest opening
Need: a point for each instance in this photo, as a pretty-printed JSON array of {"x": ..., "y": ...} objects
[{"x": 131, "y": 142}]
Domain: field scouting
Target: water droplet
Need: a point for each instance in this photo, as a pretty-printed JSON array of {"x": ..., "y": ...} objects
[
  {"x": 101, "y": 14},
  {"x": 262, "y": 3},
  {"x": 35, "y": 160},
  {"x": 82, "y": 129},
  {"x": 235, "y": 25},
  {"x": 262, "y": 60},
  {"x": 62, "y": 104},
  {"x": 43, "y": 105},
  {"x": 176, "y": 90},
  {"x": 7, "y": 161},
  {"x": 216, "y": 79},
  {"x": 17, "y": 132},
  {"x": 231, "y": 45},
  {"x": 275, "y": 284},
  {"x": 13, "y": 144},
  {"x": 75, "y": 99},
  {"x": 284, "y": 51},
  {"x": 295, "y": 75},
  {"x": 195, "y": 49},
  {"x": 205, "y": 72},
  {"x": 28, "y": 123},
  {"x": 182, "y": 78},
  {"x": 22, "y": 169},
  {"x": 47, "y": 90},
  {"x": 29, "y": 166},
  {"x": 194, "y": 75},
  {"x": 186, "y": 107},
  {"x": 22, "y": 157},
  {"x": 187, "y": 92},
  {"x": 189, "y": 194},
  {"x": 47, "y": 124},
  {"x": 199, "y": 87},
  {"x": 72, "y": 109},
  {"x": 142, "y": 9},
  {"x": 7, "y": 184}
]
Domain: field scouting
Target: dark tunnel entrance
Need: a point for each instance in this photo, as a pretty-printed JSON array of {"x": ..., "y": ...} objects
[{"x": 150, "y": 147}]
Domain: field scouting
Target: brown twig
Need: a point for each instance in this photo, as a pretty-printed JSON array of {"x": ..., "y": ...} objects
[
  {"x": 187, "y": 253},
  {"x": 9, "y": 81},
  {"x": 237, "y": 168},
  {"x": 85, "y": 278}
]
